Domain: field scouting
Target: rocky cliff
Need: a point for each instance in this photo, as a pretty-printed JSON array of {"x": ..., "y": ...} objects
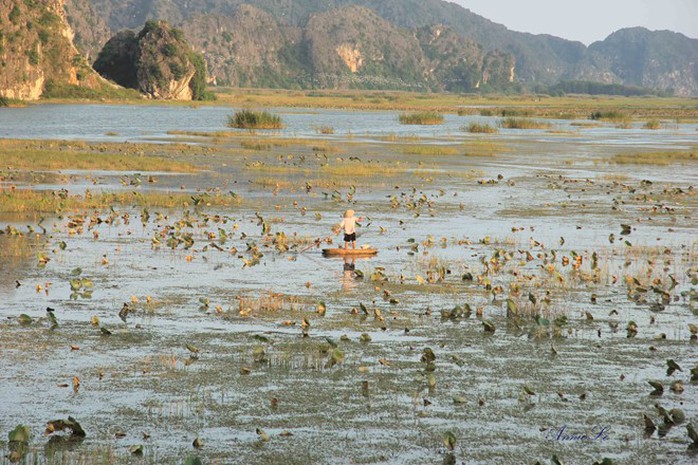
[
  {"x": 157, "y": 61},
  {"x": 285, "y": 43},
  {"x": 36, "y": 50},
  {"x": 403, "y": 44},
  {"x": 654, "y": 60}
]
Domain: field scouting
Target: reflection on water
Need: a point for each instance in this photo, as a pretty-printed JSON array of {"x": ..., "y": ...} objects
[{"x": 348, "y": 277}]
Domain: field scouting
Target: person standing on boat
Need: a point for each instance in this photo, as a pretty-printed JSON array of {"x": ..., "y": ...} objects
[{"x": 348, "y": 224}]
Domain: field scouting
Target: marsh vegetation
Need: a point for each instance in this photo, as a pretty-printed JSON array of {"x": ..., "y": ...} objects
[{"x": 526, "y": 281}]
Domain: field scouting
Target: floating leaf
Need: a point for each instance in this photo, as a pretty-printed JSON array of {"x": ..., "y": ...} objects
[
  {"x": 198, "y": 443},
  {"x": 365, "y": 337},
  {"x": 21, "y": 434},
  {"x": 261, "y": 338},
  {"x": 677, "y": 416},
  {"x": 263, "y": 436},
  {"x": 489, "y": 326},
  {"x": 336, "y": 358},
  {"x": 192, "y": 460},
  {"x": 512, "y": 308},
  {"x": 363, "y": 308},
  {"x": 259, "y": 354},
  {"x": 136, "y": 449},
  {"x": 431, "y": 380},
  {"x": 449, "y": 440},
  {"x": 71, "y": 424},
  {"x": 25, "y": 319},
  {"x": 649, "y": 424},
  {"x": 428, "y": 355},
  {"x": 605, "y": 461},
  {"x": 692, "y": 433},
  {"x": 658, "y": 387},
  {"x": 672, "y": 366}
]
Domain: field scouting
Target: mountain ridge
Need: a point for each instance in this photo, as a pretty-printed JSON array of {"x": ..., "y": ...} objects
[
  {"x": 540, "y": 60},
  {"x": 422, "y": 45}
]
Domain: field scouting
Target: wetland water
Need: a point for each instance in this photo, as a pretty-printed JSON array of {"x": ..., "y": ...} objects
[{"x": 521, "y": 230}]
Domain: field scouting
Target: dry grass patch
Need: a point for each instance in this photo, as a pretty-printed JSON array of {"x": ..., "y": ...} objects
[
  {"x": 666, "y": 157},
  {"x": 32, "y": 202},
  {"x": 53, "y": 156}
]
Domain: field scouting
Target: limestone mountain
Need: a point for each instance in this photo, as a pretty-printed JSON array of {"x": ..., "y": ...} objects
[
  {"x": 655, "y": 60},
  {"x": 279, "y": 43},
  {"x": 157, "y": 61},
  {"x": 248, "y": 47},
  {"x": 354, "y": 47},
  {"x": 405, "y": 44},
  {"x": 36, "y": 50}
]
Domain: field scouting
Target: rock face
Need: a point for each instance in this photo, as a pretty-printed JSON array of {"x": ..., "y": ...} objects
[
  {"x": 354, "y": 47},
  {"x": 405, "y": 44},
  {"x": 36, "y": 50},
  {"x": 655, "y": 60},
  {"x": 157, "y": 62}
]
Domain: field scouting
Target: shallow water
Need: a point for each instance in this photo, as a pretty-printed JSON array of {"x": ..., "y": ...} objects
[{"x": 141, "y": 378}]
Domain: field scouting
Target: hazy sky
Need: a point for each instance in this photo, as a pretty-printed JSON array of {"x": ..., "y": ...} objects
[{"x": 588, "y": 20}]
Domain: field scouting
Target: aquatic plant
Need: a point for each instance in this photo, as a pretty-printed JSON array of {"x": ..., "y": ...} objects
[
  {"x": 248, "y": 119},
  {"x": 422, "y": 118},
  {"x": 479, "y": 128},
  {"x": 523, "y": 123}
]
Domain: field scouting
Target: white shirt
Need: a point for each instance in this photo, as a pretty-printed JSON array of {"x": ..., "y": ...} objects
[{"x": 349, "y": 225}]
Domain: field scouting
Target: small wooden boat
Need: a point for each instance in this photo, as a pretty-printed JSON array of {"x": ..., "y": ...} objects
[{"x": 341, "y": 252}]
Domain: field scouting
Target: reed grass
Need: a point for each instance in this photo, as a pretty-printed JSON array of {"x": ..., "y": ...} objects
[
  {"x": 36, "y": 155},
  {"x": 478, "y": 128},
  {"x": 34, "y": 202},
  {"x": 324, "y": 130},
  {"x": 421, "y": 118},
  {"x": 429, "y": 150},
  {"x": 665, "y": 157},
  {"x": 653, "y": 124},
  {"x": 248, "y": 119},
  {"x": 523, "y": 123}
]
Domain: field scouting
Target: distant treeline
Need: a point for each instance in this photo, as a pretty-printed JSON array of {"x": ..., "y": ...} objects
[{"x": 597, "y": 88}]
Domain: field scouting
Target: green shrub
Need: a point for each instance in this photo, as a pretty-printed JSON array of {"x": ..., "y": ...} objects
[
  {"x": 14, "y": 15},
  {"x": 198, "y": 81},
  {"x": 33, "y": 56},
  {"x": 4, "y": 101},
  {"x": 247, "y": 119},
  {"x": 423, "y": 118},
  {"x": 611, "y": 115},
  {"x": 523, "y": 123},
  {"x": 512, "y": 112},
  {"x": 486, "y": 112},
  {"x": 653, "y": 124},
  {"x": 52, "y": 89},
  {"x": 478, "y": 128},
  {"x": 325, "y": 130}
]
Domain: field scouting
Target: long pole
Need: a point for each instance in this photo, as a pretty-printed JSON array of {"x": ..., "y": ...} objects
[{"x": 315, "y": 243}]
